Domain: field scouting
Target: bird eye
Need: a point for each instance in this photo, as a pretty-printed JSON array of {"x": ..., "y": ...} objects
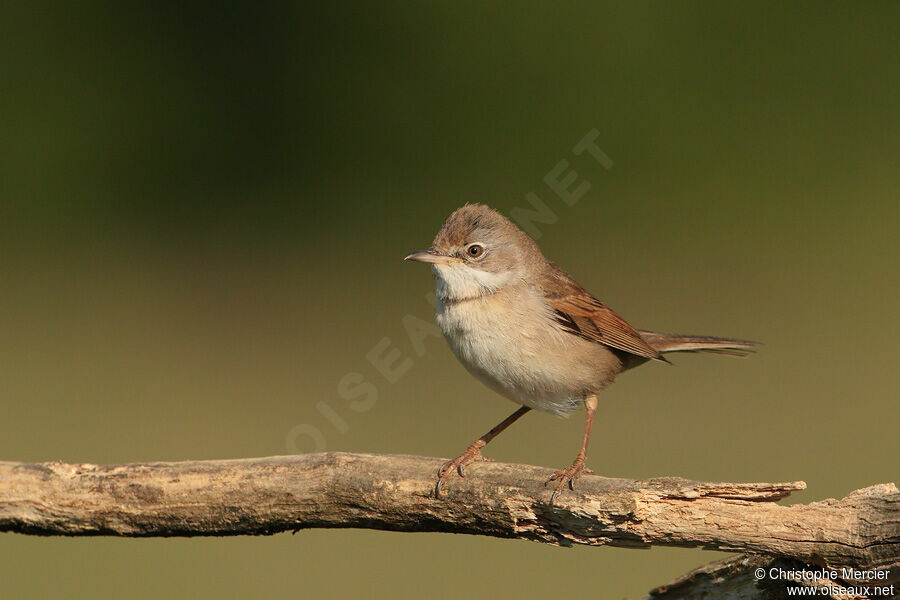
[{"x": 475, "y": 250}]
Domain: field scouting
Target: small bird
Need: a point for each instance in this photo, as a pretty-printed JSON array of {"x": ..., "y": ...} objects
[{"x": 526, "y": 329}]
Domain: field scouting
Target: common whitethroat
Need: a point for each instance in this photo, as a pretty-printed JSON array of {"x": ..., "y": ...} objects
[{"x": 526, "y": 329}]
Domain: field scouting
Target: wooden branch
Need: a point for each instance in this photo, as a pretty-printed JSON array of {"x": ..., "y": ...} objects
[
  {"x": 289, "y": 493},
  {"x": 731, "y": 578},
  {"x": 738, "y": 578}
]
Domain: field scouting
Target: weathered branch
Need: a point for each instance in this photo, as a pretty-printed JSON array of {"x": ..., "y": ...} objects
[
  {"x": 284, "y": 493},
  {"x": 763, "y": 577}
]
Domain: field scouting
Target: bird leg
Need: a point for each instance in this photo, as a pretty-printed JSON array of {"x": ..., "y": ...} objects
[
  {"x": 571, "y": 474},
  {"x": 473, "y": 452}
]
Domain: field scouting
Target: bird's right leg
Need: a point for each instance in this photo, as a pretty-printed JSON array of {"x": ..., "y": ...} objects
[
  {"x": 571, "y": 474},
  {"x": 473, "y": 452}
]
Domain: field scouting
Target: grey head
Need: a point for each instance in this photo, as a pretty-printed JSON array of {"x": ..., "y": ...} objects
[{"x": 479, "y": 251}]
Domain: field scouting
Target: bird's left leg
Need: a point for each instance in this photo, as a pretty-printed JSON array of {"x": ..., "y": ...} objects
[
  {"x": 571, "y": 474},
  {"x": 473, "y": 452}
]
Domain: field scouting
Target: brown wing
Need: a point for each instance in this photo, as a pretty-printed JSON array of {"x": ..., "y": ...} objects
[{"x": 579, "y": 313}]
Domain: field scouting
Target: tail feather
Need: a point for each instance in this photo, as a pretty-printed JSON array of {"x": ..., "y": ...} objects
[{"x": 671, "y": 342}]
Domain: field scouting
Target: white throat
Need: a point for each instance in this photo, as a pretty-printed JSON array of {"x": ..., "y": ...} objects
[{"x": 457, "y": 281}]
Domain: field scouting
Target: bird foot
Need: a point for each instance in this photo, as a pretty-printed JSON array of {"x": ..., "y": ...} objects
[
  {"x": 568, "y": 475},
  {"x": 471, "y": 455}
]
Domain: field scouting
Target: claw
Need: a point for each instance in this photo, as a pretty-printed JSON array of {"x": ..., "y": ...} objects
[
  {"x": 479, "y": 458},
  {"x": 472, "y": 454},
  {"x": 553, "y": 496},
  {"x": 569, "y": 475}
]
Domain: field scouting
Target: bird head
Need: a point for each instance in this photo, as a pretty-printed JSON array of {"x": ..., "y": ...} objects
[{"x": 477, "y": 252}]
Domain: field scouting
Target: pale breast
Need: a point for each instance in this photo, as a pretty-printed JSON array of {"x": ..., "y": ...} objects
[{"x": 509, "y": 341}]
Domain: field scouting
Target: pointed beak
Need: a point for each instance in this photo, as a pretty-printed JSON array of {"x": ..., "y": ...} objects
[{"x": 429, "y": 256}]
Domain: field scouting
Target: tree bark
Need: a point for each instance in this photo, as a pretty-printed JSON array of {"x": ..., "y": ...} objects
[
  {"x": 287, "y": 493},
  {"x": 738, "y": 578}
]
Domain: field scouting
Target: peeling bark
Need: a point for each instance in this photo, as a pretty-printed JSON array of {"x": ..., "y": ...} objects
[{"x": 288, "y": 493}]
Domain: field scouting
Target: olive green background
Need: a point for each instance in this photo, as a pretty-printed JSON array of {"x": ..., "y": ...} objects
[{"x": 204, "y": 211}]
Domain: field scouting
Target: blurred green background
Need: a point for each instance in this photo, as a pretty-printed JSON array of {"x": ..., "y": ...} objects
[{"x": 204, "y": 211}]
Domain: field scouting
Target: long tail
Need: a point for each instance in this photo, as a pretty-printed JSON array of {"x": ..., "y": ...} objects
[{"x": 672, "y": 342}]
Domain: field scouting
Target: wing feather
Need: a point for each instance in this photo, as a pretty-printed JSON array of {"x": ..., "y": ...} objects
[{"x": 579, "y": 313}]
